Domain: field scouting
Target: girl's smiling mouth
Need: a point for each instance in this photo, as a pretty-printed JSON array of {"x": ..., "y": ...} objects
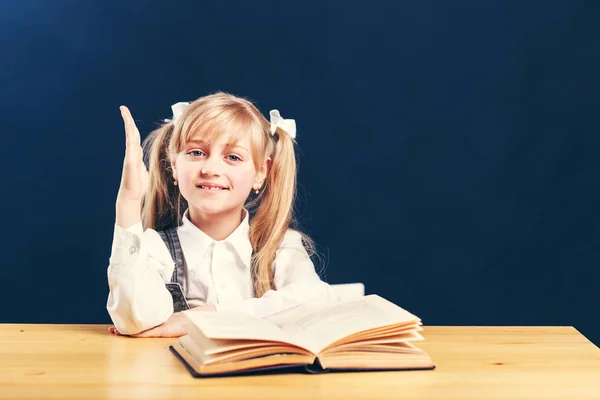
[{"x": 212, "y": 187}]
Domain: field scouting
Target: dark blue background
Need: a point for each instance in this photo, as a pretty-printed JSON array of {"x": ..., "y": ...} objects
[{"x": 448, "y": 150}]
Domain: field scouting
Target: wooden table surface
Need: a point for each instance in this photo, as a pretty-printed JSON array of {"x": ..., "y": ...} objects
[{"x": 85, "y": 362}]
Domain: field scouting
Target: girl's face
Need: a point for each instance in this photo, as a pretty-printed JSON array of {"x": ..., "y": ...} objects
[{"x": 217, "y": 177}]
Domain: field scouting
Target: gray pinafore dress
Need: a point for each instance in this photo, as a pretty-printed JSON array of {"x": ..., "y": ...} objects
[{"x": 177, "y": 285}]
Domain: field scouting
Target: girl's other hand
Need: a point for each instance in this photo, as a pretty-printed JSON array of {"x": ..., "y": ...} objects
[
  {"x": 113, "y": 330},
  {"x": 173, "y": 327}
]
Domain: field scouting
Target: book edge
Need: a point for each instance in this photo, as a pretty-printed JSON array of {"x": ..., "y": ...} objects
[
  {"x": 296, "y": 368},
  {"x": 247, "y": 372}
]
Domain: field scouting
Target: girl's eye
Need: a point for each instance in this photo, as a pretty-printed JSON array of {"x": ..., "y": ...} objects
[
  {"x": 233, "y": 157},
  {"x": 196, "y": 153}
]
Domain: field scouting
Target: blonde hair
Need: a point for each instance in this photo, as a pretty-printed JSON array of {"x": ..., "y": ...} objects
[{"x": 271, "y": 211}]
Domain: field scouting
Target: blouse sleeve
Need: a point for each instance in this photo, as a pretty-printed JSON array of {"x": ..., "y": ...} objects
[{"x": 139, "y": 267}]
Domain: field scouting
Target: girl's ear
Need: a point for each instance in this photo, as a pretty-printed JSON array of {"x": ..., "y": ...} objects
[
  {"x": 262, "y": 172},
  {"x": 173, "y": 167}
]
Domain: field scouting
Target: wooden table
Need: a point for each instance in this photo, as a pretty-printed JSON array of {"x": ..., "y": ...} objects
[{"x": 85, "y": 362}]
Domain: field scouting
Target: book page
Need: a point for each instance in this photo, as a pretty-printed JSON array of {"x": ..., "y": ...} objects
[
  {"x": 324, "y": 327},
  {"x": 188, "y": 350},
  {"x": 231, "y": 326}
]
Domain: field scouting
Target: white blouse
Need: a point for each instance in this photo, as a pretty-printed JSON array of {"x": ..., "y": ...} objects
[{"x": 217, "y": 272}]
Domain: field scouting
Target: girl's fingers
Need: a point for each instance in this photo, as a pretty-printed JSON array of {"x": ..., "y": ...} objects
[
  {"x": 113, "y": 330},
  {"x": 133, "y": 149},
  {"x": 132, "y": 135}
]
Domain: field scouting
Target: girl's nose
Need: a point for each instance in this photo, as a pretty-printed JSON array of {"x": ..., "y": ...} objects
[
  {"x": 210, "y": 167},
  {"x": 208, "y": 172}
]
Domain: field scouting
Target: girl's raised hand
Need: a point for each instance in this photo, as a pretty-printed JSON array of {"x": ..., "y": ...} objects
[{"x": 134, "y": 179}]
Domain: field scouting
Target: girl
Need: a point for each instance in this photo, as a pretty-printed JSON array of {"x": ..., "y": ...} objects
[{"x": 207, "y": 226}]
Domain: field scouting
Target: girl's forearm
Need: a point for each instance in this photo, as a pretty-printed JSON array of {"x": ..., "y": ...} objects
[{"x": 128, "y": 213}]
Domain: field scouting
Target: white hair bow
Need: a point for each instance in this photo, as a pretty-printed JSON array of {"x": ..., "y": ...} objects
[
  {"x": 288, "y": 125},
  {"x": 177, "y": 110}
]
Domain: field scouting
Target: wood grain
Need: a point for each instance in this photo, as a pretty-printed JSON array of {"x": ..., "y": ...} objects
[{"x": 85, "y": 362}]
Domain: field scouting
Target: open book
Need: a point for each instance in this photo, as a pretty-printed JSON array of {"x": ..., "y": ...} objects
[{"x": 367, "y": 334}]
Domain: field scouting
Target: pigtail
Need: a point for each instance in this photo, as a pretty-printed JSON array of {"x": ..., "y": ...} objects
[
  {"x": 274, "y": 214},
  {"x": 162, "y": 204}
]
